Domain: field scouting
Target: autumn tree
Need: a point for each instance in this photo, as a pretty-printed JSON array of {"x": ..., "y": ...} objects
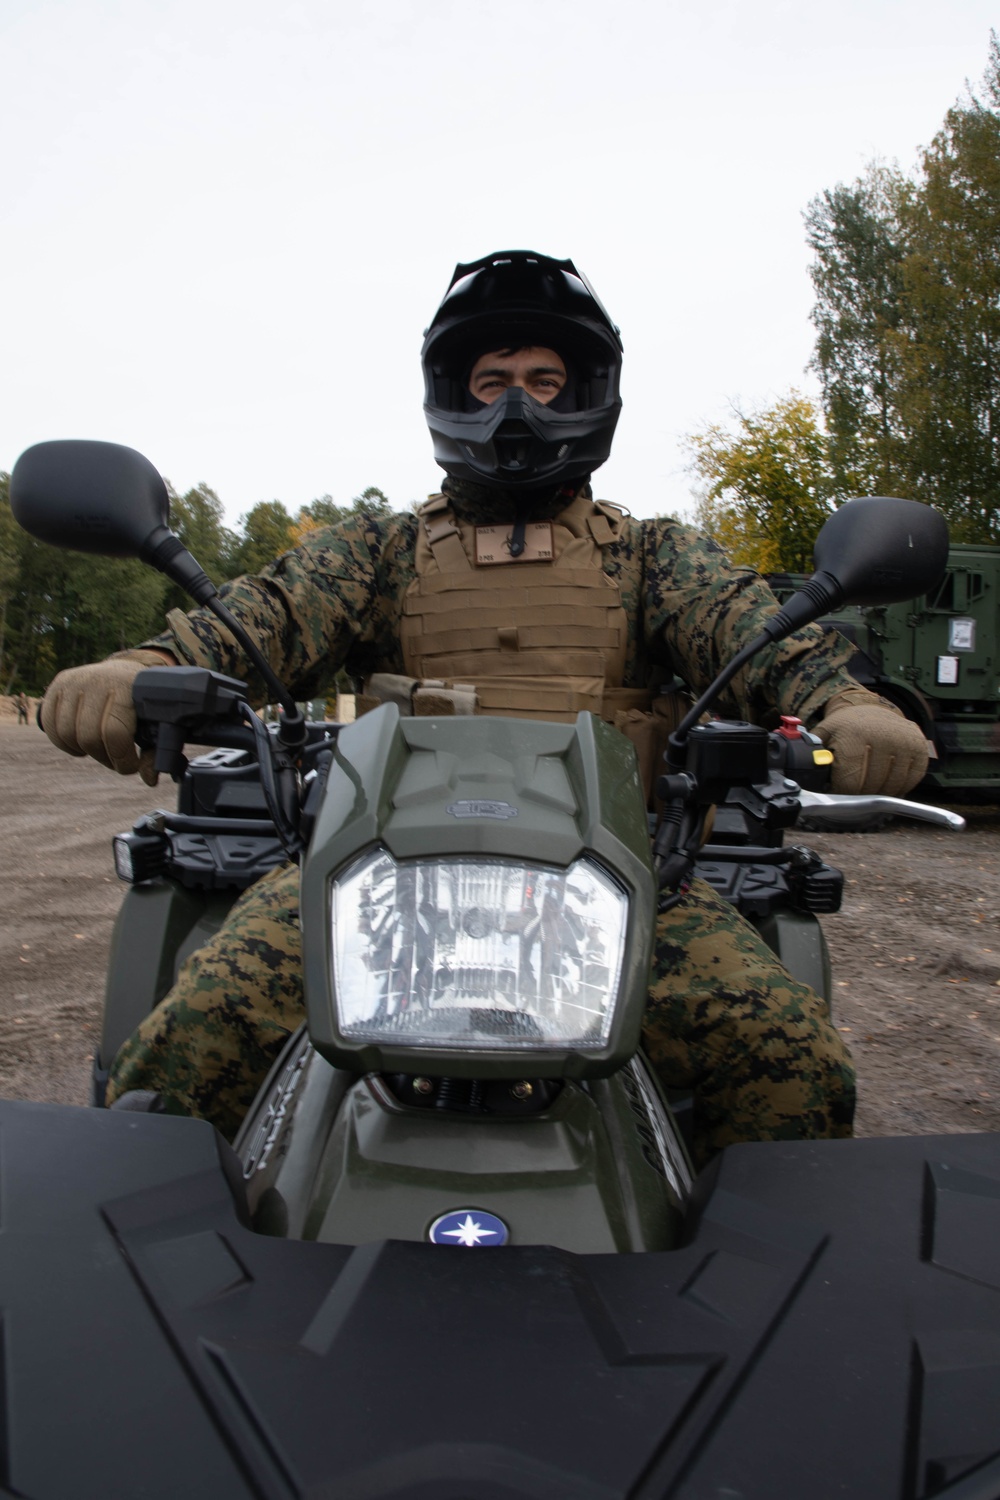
[
  {"x": 767, "y": 488},
  {"x": 326, "y": 512}
]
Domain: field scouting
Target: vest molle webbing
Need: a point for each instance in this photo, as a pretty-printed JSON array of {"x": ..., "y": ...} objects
[{"x": 537, "y": 638}]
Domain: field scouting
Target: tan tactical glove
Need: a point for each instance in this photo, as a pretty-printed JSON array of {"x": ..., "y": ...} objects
[
  {"x": 88, "y": 711},
  {"x": 876, "y": 749}
]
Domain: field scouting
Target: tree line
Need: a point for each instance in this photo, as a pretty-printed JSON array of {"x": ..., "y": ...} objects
[
  {"x": 906, "y": 274},
  {"x": 59, "y": 609}
]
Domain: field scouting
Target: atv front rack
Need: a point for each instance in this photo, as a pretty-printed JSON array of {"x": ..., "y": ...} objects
[{"x": 830, "y": 1327}]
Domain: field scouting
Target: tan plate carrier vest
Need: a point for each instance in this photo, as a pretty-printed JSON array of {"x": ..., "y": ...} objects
[
  {"x": 521, "y": 638},
  {"x": 536, "y": 639}
]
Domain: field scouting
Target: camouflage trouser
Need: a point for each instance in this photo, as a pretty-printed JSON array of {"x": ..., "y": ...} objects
[{"x": 724, "y": 1019}]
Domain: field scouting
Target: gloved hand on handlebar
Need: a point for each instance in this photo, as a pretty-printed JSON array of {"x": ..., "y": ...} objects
[
  {"x": 876, "y": 749},
  {"x": 88, "y": 711}
]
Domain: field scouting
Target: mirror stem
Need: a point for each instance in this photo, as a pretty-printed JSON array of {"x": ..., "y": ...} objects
[
  {"x": 814, "y": 598},
  {"x": 818, "y": 594},
  {"x": 167, "y": 553},
  {"x": 678, "y": 740},
  {"x": 292, "y": 730}
]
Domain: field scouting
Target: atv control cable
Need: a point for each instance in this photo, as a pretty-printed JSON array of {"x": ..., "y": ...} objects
[{"x": 291, "y": 840}]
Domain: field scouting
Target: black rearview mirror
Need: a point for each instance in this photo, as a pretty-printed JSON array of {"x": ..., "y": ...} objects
[
  {"x": 882, "y": 550},
  {"x": 877, "y": 550},
  {"x": 90, "y": 497},
  {"x": 101, "y": 497}
]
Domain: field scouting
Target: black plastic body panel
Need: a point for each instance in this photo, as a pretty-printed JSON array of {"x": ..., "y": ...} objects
[{"x": 832, "y": 1328}]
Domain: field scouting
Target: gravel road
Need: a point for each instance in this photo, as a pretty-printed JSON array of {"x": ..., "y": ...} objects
[{"x": 916, "y": 948}]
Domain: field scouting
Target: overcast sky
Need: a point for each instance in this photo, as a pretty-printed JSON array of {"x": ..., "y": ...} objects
[{"x": 224, "y": 224}]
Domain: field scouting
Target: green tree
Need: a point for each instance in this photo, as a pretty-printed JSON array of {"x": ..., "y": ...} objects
[
  {"x": 107, "y": 604},
  {"x": 766, "y": 489},
  {"x": 372, "y": 501},
  {"x": 949, "y": 395},
  {"x": 33, "y": 575},
  {"x": 198, "y": 519},
  {"x": 69, "y": 608},
  {"x": 268, "y": 530},
  {"x": 907, "y": 280},
  {"x": 858, "y": 235},
  {"x": 59, "y": 609}
]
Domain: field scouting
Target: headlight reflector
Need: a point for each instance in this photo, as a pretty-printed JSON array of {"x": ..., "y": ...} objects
[{"x": 478, "y": 954}]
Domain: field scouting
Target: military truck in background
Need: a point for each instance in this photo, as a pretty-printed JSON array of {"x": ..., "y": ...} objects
[{"x": 938, "y": 659}]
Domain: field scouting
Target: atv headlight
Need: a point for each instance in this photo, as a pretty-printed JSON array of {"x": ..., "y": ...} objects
[{"x": 477, "y": 954}]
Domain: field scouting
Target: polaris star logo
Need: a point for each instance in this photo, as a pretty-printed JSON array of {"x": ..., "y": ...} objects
[
  {"x": 481, "y": 809},
  {"x": 468, "y": 1226}
]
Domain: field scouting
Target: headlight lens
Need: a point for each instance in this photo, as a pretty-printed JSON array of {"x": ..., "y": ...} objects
[{"x": 478, "y": 954}]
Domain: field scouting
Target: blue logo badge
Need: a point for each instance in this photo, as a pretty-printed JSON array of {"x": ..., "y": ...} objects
[{"x": 468, "y": 1226}]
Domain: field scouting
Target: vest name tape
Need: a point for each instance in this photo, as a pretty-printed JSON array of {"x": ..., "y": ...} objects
[{"x": 493, "y": 544}]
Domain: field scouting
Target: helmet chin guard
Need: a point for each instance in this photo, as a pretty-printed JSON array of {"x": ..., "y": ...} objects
[{"x": 511, "y": 300}]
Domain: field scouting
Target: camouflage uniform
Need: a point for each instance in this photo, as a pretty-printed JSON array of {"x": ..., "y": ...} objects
[{"x": 724, "y": 1017}]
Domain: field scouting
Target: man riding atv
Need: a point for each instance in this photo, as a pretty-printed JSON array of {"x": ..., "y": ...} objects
[{"x": 515, "y": 593}]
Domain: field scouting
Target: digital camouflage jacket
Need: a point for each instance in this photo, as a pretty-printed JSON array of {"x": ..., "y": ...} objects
[{"x": 336, "y": 601}]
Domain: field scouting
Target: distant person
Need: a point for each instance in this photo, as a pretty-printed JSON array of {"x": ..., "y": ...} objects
[
  {"x": 514, "y": 592},
  {"x": 23, "y": 707}
]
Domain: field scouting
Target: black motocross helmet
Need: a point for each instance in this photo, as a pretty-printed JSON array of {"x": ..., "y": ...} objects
[{"x": 511, "y": 300}]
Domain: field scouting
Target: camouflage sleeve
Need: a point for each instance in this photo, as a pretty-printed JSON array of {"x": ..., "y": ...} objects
[
  {"x": 705, "y": 610},
  {"x": 306, "y": 611}
]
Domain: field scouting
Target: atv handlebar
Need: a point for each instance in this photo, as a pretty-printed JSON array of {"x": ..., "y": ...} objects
[{"x": 191, "y": 705}]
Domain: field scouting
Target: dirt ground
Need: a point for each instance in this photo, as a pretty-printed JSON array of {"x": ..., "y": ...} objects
[{"x": 916, "y": 948}]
